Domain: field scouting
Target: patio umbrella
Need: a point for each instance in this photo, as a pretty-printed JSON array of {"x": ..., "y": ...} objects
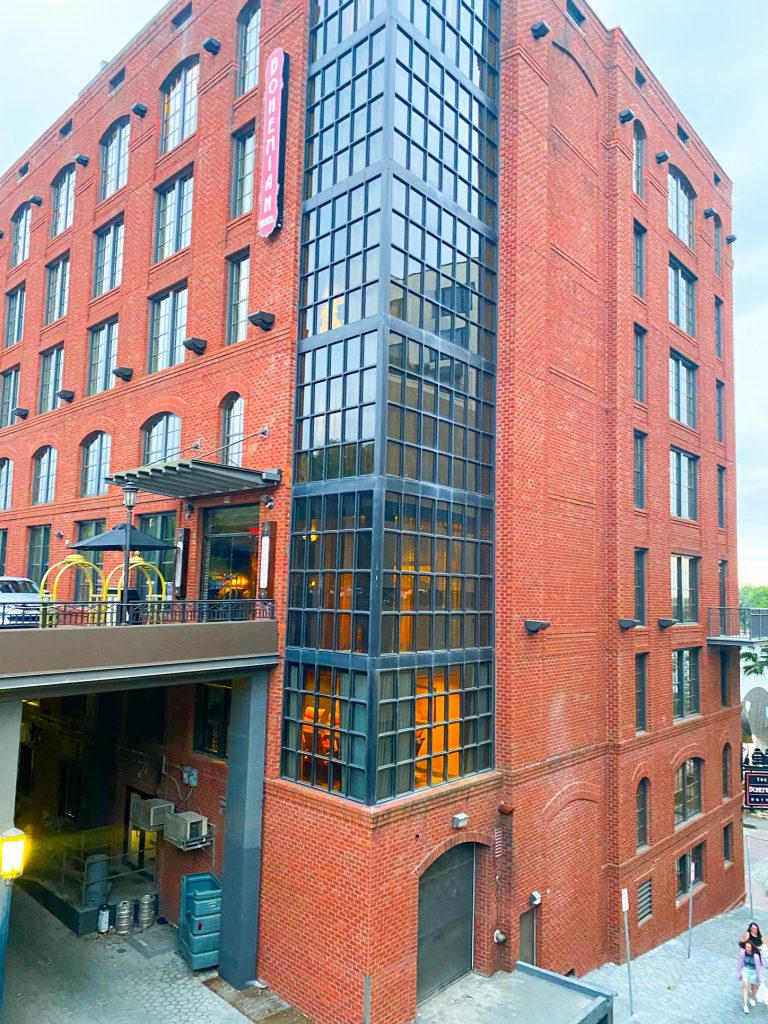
[{"x": 114, "y": 540}]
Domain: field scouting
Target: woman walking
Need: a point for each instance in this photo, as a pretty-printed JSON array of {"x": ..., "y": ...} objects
[
  {"x": 750, "y": 971},
  {"x": 755, "y": 936}
]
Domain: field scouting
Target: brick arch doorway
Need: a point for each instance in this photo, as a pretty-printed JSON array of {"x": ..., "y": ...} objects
[{"x": 446, "y": 920}]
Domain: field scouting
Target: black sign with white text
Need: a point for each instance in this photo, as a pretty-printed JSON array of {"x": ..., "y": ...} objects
[{"x": 756, "y": 789}]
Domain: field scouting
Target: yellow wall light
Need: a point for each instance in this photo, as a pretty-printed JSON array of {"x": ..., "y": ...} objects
[{"x": 12, "y": 848}]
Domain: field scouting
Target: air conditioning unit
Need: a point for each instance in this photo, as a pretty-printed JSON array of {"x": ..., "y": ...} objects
[
  {"x": 187, "y": 829},
  {"x": 149, "y": 815}
]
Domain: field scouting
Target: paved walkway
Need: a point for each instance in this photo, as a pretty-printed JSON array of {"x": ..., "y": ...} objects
[
  {"x": 53, "y": 977},
  {"x": 670, "y": 989}
]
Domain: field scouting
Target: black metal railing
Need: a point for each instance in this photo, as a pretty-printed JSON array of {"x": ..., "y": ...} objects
[
  {"x": 50, "y": 614},
  {"x": 749, "y": 624}
]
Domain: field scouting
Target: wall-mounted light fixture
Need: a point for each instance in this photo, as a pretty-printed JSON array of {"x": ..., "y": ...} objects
[
  {"x": 65, "y": 395},
  {"x": 539, "y": 29},
  {"x": 123, "y": 372},
  {"x": 710, "y": 212},
  {"x": 730, "y": 239},
  {"x": 625, "y": 624},
  {"x": 460, "y": 820},
  {"x": 59, "y": 535},
  {"x": 212, "y": 46},
  {"x": 262, "y": 319},
  {"x": 626, "y": 115},
  {"x": 189, "y": 508},
  {"x": 2, "y": 234},
  {"x": 139, "y": 109},
  {"x": 82, "y": 159},
  {"x": 36, "y": 200},
  {"x": 20, "y": 412},
  {"x": 535, "y": 625},
  {"x": 662, "y": 156},
  {"x": 268, "y": 502},
  {"x": 666, "y": 623},
  {"x": 196, "y": 345}
]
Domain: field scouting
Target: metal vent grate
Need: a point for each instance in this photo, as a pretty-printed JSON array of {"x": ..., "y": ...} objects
[{"x": 645, "y": 900}]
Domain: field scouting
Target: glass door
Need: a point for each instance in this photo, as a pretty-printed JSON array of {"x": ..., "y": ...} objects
[{"x": 231, "y": 553}]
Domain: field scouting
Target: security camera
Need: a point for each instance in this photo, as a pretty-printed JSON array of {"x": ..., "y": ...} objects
[{"x": 534, "y": 899}]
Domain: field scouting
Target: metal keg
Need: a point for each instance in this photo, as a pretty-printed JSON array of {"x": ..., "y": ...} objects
[
  {"x": 124, "y": 917},
  {"x": 146, "y": 912}
]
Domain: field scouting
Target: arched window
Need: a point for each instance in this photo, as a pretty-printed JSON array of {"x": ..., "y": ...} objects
[
  {"x": 680, "y": 205},
  {"x": 726, "y": 769},
  {"x": 21, "y": 223},
  {"x": 638, "y": 159},
  {"x": 249, "y": 27},
  {"x": 162, "y": 437},
  {"x": 43, "y": 475},
  {"x": 718, "y": 244},
  {"x": 688, "y": 789},
  {"x": 96, "y": 449},
  {"x": 642, "y": 804},
  {"x": 232, "y": 415},
  {"x": 114, "y": 157},
  {"x": 180, "y": 103},
  {"x": 63, "y": 200},
  {"x": 6, "y": 484}
]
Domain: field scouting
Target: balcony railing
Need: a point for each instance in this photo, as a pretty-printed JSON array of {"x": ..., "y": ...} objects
[
  {"x": 52, "y": 614},
  {"x": 738, "y": 625}
]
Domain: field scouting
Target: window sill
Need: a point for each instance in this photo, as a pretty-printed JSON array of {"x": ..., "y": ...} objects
[
  {"x": 55, "y": 240},
  {"x": 111, "y": 197},
  {"x": 679, "y": 721},
  {"x": 686, "y": 427},
  {"x": 98, "y": 299},
  {"x": 169, "y": 155},
  {"x": 683, "y": 520},
  {"x": 681, "y": 241},
  {"x": 682, "y": 899},
  {"x": 694, "y": 817},
  {"x": 683, "y": 333},
  {"x": 241, "y": 100}
]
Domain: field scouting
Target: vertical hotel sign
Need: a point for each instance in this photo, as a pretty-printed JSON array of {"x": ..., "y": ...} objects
[{"x": 273, "y": 144}]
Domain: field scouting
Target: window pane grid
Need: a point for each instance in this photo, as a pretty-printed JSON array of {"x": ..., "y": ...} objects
[
  {"x": 641, "y": 692},
  {"x": 721, "y": 497},
  {"x": 174, "y": 217},
  {"x": 682, "y": 297},
  {"x": 14, "y": 321},
  {"x": 6, "y": 484},
  {"x": 641, "y": 557},
  {"x": 242, "y": 201},
  {"x": 639, "y": 469},
  {"x": 51, "y": 372},
  {"x": 720, "y": 410},
  {"x": 638, "y": 265},
  {"x": 102, "y": 357},
  {"x": 239, "y": 280},
  {"x": 685, "y": 588},
  {"x": 96, "y": 455},
  {"x": 21, "y": 224},
  {"x": 9, "y": 395},
  {"x": 719, "y": 328},
  {"x": 641, "y": 810},
  {"x": 688, "y": 790},
  {"x": 109, "y": 258},
  {"x": 685, "y": 682},
  {"x": 233, "y": 431},
  {"x": 168, "y": 330},
  {"x": 683, "y": 484},
  {"x": 162, "y": 438},
  {"x": 114, "y": 159},
  {"x": 63, "y": 206},
  {"x": 681, "y": 206},
  {"x": 682, "y": 389},
  {"x": 249, "y": 29},
  {"x": 58, "y": 290},
  {"x": 180, "y": 106},
  {"x": 39, "y": 542},
  {"x": 44, "y": 476},
  {"x": 639, "y": 364}
]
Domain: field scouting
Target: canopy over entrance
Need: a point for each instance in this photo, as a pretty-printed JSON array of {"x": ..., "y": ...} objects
[{"x": 194, "y": 478}]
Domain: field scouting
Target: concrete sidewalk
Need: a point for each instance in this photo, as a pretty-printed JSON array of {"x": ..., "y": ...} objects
[{"x": 670, "y": 989}]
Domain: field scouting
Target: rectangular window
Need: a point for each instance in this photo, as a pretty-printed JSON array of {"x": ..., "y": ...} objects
[
  {"x": 718, "y": 240},
  {"x": 239, "y": 276},
  {"x": 242, "y": 185},
  {"x": 39, "y": 542},
  {"x": 14, "y": 316},
  {"x": 682, "y": 297},
  {"x": 720, "y": 411},
  {"x": 722, "y": 583},
  {"x": 693, "y": 860},
  {"x": 685, "y": 682},
  {"x": 575, "y": 13},
  {"x": 212, "y": 719},
  {"x": 109, "y": 258},
  {"x": 3, "y": 550},
  {"x": 719, "y": 328},
  {"x": 641, "y": 556},
  {"x": 21, "y": 225},
  {"x": 683, "y": 484},
  {"x": 728, "y": 844},
  {"x": 51, "y": 372},
  {"x": 63, "y": 204},
  {"x": 682, "y": 389},
  {"x": 162, "y": 525},
  {"x": 102, "y": 357},
  {"x": 114, "y": 159},
  {"x": 86, "y": 529},
  {"x": 641, "y": 693},
  {"x": 644, "y": 901},
  {"x": 58, "y": 290},
  {"x": 724, "y": 688},
  {"x": 174, "y": 217},
  {"x": 9, "y": 395},
  {"x": 639, "y": 469},
  {"x": 168, "y": 329},
  {"x": 721, "y": 497},
  {"x": 685, "y": 588},
  {"x": 180, "y": 106},
  {"x": 687, "y": 793},
  {"x": 639, "y": 260},
  {"x": 639, "y": 364}
]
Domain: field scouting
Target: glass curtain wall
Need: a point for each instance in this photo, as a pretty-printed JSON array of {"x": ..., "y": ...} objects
[{"x": 389, "y": 675}]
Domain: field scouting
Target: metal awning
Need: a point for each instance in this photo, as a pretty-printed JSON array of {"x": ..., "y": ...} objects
[{"x": 193, "y": 478}]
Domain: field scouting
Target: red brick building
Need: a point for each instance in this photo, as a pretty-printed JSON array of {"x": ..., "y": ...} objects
[{"x": 499, "y": 388}]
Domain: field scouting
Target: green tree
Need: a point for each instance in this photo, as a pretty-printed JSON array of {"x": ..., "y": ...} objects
[
  {"x": 753, "y": 597},
  {"x": 754, "y": 660}
]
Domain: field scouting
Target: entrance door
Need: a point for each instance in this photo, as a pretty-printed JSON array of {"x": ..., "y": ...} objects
[
  {"x": 231, "y": 552},
  {"x": 446, "y": 920},
  {"x": 528, "y": 936}
]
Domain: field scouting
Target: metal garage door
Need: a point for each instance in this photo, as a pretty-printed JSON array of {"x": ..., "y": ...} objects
[{"x": 446, "y": 920}]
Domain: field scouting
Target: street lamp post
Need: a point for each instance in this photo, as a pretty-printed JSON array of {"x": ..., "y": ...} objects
[
  {"x": 129, "y": 500},
  {"x": 12, "y": 844}
]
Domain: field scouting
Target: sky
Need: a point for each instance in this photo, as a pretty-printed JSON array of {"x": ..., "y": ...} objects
[{"x": 711, "y": 56}]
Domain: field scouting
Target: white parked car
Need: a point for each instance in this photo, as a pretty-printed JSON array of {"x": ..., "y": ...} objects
[{"x": 19, "y": 602}]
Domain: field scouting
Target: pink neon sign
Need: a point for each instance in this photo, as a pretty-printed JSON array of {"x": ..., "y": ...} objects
[{"x": 273, "y": 144}]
